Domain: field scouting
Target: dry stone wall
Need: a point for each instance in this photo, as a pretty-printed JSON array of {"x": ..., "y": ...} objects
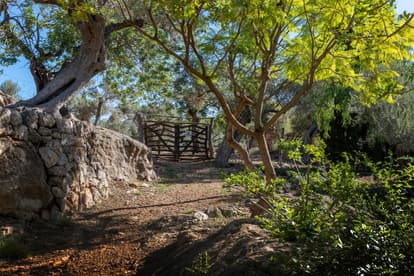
[{"x": 49, "y": 166}]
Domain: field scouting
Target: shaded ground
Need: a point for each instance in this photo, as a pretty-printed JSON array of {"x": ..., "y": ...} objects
[{"x": 150, "y": 229}]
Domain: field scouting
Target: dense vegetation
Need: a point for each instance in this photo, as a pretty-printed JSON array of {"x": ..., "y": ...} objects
[{"x": 333, "y": 220}]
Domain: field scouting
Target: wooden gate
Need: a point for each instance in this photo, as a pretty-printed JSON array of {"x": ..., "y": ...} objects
[{"x": 178, "y": 141}]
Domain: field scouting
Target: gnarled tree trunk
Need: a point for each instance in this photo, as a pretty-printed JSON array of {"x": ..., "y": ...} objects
[
  {"x": 89, "y": 61},
  {"x": 231, "y": 142}
]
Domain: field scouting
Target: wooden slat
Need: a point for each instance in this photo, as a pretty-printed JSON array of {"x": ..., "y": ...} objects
[{"x": 178, "y": 141}]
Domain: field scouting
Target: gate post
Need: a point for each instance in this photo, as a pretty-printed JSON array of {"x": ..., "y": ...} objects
[
  {"x": 210, "y": 139},
  {"x": 177, "y": 142}
]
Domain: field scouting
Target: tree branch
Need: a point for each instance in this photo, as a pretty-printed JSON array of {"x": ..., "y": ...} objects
[{"x": 114, "y": 27}]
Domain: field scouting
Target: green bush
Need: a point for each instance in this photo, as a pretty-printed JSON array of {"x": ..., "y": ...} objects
[
  {"x": 12, "y": 248},
  {"x": 338, "y": 223}
]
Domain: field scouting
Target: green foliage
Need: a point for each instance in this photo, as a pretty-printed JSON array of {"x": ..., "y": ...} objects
[
  {"x": 201, "y": 265},
  {"x": 326, "y": 101},
  {"x": 11, "y": 88},
  {"x": 12, "y": 248},
  {"x": 392, "y": 123},
  {"x": 340, "y": 224},
  {"x": 42, "y": 33}
]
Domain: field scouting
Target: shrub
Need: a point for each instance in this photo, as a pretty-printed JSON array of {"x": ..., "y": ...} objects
[
  {"x": 12, "y": 248},
  {"x": 339, "y": 224}
]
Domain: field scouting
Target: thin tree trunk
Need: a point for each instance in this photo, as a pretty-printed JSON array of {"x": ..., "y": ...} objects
[
  {"x": 269, "y": 169},
  {"x": 224, "y": 152}
]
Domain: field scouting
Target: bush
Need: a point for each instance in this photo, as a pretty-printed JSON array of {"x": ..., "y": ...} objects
[
  {"x": 340, "y": 224},
  {"x": 12, "y": 248}
]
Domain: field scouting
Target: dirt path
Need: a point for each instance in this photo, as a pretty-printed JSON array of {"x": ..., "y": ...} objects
[{"x": 139, "y": 220}]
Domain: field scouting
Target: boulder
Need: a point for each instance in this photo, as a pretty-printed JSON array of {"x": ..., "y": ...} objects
[
  {"x": 23, "y": 186},
  {"x": 6, "y": 99}
]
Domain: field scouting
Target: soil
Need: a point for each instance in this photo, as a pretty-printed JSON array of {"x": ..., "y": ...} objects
[{"x": 151, "y": 229}]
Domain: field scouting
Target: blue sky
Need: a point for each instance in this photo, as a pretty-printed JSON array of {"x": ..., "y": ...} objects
[{"x": 20, "y": 71}]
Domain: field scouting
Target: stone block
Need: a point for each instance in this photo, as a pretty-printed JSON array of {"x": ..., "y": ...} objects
[
  {"x": 45, "y": 131},
  {"x": 16, "y": 118},
  {"x": 46, "y": 120},
  {"x": 65, "y": 125},
  {"x": 50, "y": 158},
  {"x": 56, "y": 181},
  {"x": 26, "y": 191},
  {"x": 58, "y": 192},
  {"x": 5, "y": 116},
  {"x": 21, "y": 133},
  {"x": 57, "y": 171},
  {"x": 30, "y": 118}
]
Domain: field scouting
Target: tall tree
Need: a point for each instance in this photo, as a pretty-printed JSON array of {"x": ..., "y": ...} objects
[{"x": 290, "y": 43}]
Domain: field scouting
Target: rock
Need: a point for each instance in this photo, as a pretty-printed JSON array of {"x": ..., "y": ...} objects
[
  {"x": 54, "y": 145},
  {"x": 57, "y": 171},
  {"x": 62, "y": 159},
  {"x": 6, "y": 231},
  {"x": 4, "y": 145},
  {"x": 70, "y": 140},
  {"x": 30, "y": 118},
  {"x": 58, "y": 192},
  {"x": 5, "y": 116},
  {"x": 45, "y": 131},
  {"x": 6, "y": 131},
  {"x": 50, "y": 158},
  {"x": 46, "y": 120},
  {"x": 72, "y": 199},
  {"x": 229, "y": 212},
  {"x": 56, "y": 135},
  {"x": 6, "y": 99},
  {"x": 26, "y": 191},
  {"x": 67, "y": 181},
  {"x": 101, "y": 175},
  {"x": 21, "y": 133},
  {"x": 214, "y": 212},
  {"x": 34, "y": 137},
  {"x": 200, "y": 216},
  {"x": 15, "y": 118},
  {"x": 55, "y": 181},
  {"x": 87, "y": 199},
  {"x": 65, "y": 125}
]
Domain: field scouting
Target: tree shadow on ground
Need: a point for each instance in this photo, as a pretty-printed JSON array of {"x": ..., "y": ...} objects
[
  {"x": 239, "y": 248},
  {"x": 187, "y": 173},
  {"x": 111, "y": 230}
]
